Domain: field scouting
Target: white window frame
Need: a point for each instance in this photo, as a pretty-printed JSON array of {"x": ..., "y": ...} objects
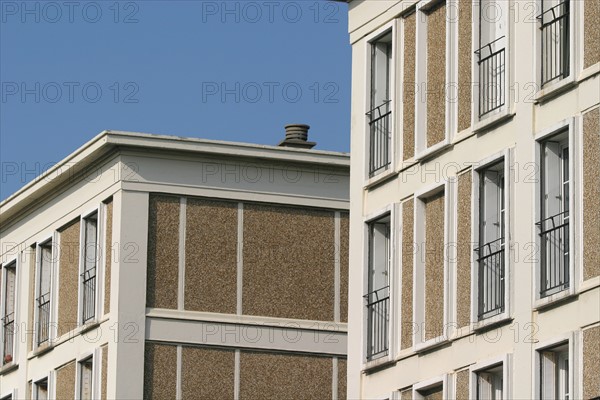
[
  {"x": 17, "y": 265},
  {"x": 392, "y": 27},
  {"x": 507, "y": 110},
  {"x": 99, "y": 264},
  {"x": 449, "y": 189},
  {"x": 96, "y": 358},
  {"x": 507, "y": 157},
  {"x": 575, "y": 363},
  {"x": 572, "y": 127},
  {"x": 12, "y": 395},
  {"x": 444, "y": 380},
  {"x": 50, "y": 382},
  {"x": 451, "y": 76},
  {"x": 52, "y": 328},
  {"x": 392, "y": 210},
  {"x": 575, "y": 52},
  {"x": 505, "y": 360}
]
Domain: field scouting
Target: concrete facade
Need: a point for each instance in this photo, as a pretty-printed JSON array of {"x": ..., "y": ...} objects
[
  {"x": 458, "y": 212},
  {"x": 220, "y": 271}
]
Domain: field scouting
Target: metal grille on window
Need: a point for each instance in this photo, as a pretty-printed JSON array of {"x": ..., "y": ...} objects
[
  {"x": 88, "y": 276},
  {"x": 554, "y": 27},
  {"x": 43, "y": 299}
]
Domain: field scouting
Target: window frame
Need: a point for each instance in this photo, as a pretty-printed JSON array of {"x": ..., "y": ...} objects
[
  {"x": 99, "y": 264},
  {"x": 505, "y": 156},
  {"x": 393, "y": 28},
  {"x": 49, "y": 378},
  {"x": 505, "y": 360},
  {"x": 95, "y": 357},
  {"x": 448, "y": 187},
  {"x": 17, "y": 266},
  {"x": 572, "y": 127},
  {"x": 431, "y": 383},
  {"x": 572, "y": 339},
  {"x": 392, "y": 210},
  {"x": 53, "y": 308}
]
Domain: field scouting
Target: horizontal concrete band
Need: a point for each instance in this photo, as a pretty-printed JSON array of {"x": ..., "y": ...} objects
[{"x": 320, "y": 337}]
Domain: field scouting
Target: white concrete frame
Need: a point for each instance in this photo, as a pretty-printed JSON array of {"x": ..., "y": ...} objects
[
  {"x": 505, "y": 360},
  {"x": 449, "y": 189},
  {"x": 17, "y": 265},
  {"x": 96, "y": 357},
  {"x": 50, "y": 376},
  {"x": 444, "y": 380},
  {"x": 99, "y": 264},
  {"x": 506, "y": 157},
  {"x": 53, "y": 296},
  {"x": 575, "y": 362},
  {"x": 572, "y": 127}
]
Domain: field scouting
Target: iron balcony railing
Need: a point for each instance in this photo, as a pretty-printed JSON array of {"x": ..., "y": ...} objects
[
  {"x": 378, "y": 307},
  {"x": 554, "y": 273},
  {"x": 379, "y": 137},
  {"x": 492, "y": 76},
  {"x": 490, "y": 260},
  {"x": 88, "y": 279},
  {"x": 8, "y": 332},
  {"x": 554, "y": 26},
  {"x": 43, "y": 324}
]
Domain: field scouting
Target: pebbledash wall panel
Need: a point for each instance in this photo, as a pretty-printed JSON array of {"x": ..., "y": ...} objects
[
  {"x": 160, "y": 371},
  {"x": 211, "y": 256},
  {"x": 406, "y": 315},
  {"x": 436, "y": 75},
  {"x": 591, "y": 38},
  {"x": 104, "y": 381},
  {"x": 265, "y": 376},
  {"x": 465, "y": 60},
  {"x": 207, "y": 373},
  {"x": 65, "y": 381},
  {"x": 344, "y": 262},
  {"x": 434, "y": 266},
  {"x": 591, "y": 194},
  {"x": 408, "y": 82},
  {"x": 108, "y": 255},
  {"x": 163, "y": 252},
  {"x": 342, "y": 378},
  {"x": 591, "y": 363},
  {"x": 68, "y": 277},
  {"x": 288, "y": 260},
  {"x": 462, "y": 385},
  {"x": 464, "y": 250}
]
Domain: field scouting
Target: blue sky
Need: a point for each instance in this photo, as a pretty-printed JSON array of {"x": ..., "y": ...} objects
[{"x": 227, "y": 70}]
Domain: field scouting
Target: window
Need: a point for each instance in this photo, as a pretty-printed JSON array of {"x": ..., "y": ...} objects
[
  {"x": 491, "y": 55},
  {"x": 490, "y": 253},
  {"x": 86, "y": 369},
  {"x": 489, "y": 383},
  {"x": 43, "y": 297},
  {"x": 378, "y": 290},
  {"x": 89, "y": 267},
  {"x": 40, "y": 390},
  {"x": 554, "y": 372},
  {"x": 554, "y": 224},
  {"x": 380, "y": 111},
  {"x": 7, "y": 317},
  {"x": 555, "y": 40}
]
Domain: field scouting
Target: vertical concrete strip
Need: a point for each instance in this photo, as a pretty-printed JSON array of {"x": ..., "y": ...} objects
[
  {"x": 408, "y": 84},
  {"x": 591, "y": 363},
  {"x": 108, "y": 255},
  {"x": 465, "y": 62},
  {"x": 434, "y": 266},
  {"x": 463, "y": 254},
  {"x": 591, "y": 193},
  {"x": 334, "y": 378},
  {"x": 236, "y": 376},
  {"x": 436, "y": 75},
  {"x": 406, "y": 339},
  {"x": 179, "y": 378},
  {"x": 591, "y": 36}
]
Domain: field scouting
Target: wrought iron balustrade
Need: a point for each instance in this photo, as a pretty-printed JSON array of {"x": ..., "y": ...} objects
[
  {"x": 379, "y": 137},
  {"x": 378, "y": 308},
  {"x": 492, "y": 76},
  {"x": 491, "y": 270},
  {"x": 554, "y": 234},
  {"x": 554, "y": 26}
]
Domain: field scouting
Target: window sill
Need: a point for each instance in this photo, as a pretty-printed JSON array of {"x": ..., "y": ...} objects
[
  {"x": 380, "y": 178},
  {"x": 8, "y": 368},
  {"x": 589, "y": 72},
  {"x": 429, "y": 152},
  {"x": 553, "y": 90},
  {"x": 553, "y": 300},
  {"x": 41, "y": 350},
  {"x": 88, "y": 326},
  {"x": 491, "y": 322},
  {"x": 490, "y": 122},
  {"x": 431, "y": 344},
  {"x": 380, "y": 363}
]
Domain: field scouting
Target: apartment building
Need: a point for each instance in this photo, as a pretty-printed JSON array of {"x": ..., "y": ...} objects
[
  {"x": 475, "y": 200},
  {"x": 147, "y": 266}
]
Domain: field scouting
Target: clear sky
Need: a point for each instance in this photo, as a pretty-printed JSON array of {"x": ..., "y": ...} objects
[{"x": 227, "y": 70}]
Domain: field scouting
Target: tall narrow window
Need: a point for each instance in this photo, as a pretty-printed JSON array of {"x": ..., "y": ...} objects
[
  {"x": 380, "y": 108},
  {"x": 490, "y": 253},
  {"x": 86, "y": 369},
  {"x": 555, "y": 38},
  {"x": 44, "y": 276},
  {"x": 40, "y": 390},
  {"x": 9, "y": 281},
  {"x": 554, "y": 226},
  {"x": 489, "y": 383},
  {"x": 88, "y": 275},
  {"x": 378, "y": 295},
  {"x": 554, "y": 373},
  {"x": 491, "y": 55}
]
